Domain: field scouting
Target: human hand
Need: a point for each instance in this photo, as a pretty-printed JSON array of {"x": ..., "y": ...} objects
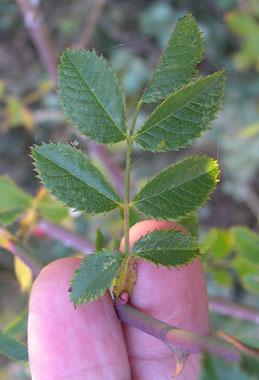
[{"x": 88, "y": 343}]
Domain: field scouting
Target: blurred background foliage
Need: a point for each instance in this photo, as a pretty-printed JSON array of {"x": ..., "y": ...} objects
[{"x": 131, "y": 35}]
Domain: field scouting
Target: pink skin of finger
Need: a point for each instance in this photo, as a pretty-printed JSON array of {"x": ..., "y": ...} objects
[
  {"x": 65, "y": 343},
  {"x": 87, "y": 343},
  {"x": 177, "y": 297}
]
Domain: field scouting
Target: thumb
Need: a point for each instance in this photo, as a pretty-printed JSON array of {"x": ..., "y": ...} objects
[{"x": 177, "y": 297}]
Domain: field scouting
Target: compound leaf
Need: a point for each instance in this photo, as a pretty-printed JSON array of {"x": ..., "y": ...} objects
[
  {"x": 91, "y": 96},
  {"x": 73, "y": 179},
  {"x": 12, "y": 348},
  {"x": 169, "y": 248},
  {"x": 183, "y": 115},
  {"x": 179, "y": 189},
  {"x": 94, "y": 276},
  {"x": 176, "y": 66}
]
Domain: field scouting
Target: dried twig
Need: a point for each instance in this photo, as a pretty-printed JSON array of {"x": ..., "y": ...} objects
[
  {"x": 38, "y": 32},
  {"x": 92, "y": 20},
  {"x": 69, "y": 239},
  {"x": 233, "y": 309},
  {"x": 126, "y": 38}
]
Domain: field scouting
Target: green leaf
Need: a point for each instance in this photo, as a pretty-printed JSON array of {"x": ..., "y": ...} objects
[
  {"x": 183, "y": 115},
  {"x": 222, "y": 277},
  {"x": 73, "y": 179},
  {"x": 11, "y": 196},
  {"x": 18, "y": 326},
  {"x": 91, "y": 96},
  {"x": 214, "y": 368},
  {"x": 251, "y": 282},
  {"x": 52, "y": 210},
  {"x": 176, "y": 66},
  {"x": 94, "y": 276},
  {"x": 99, "y": 240},
  {"x": 246, "y": 243},
  {"x": 250, "y": 364},
  {"x": 191, "y": 224},
  {"x": 222, "y": 245},
  {"x": 9, "y": 216},
  {"x": 208, "y": 240},
  {"x": 12, "y": 348},
  {"x": 169, "y": 248},
  {"x": 178, "y": 190},
  {"x": 243, "y": 266}
]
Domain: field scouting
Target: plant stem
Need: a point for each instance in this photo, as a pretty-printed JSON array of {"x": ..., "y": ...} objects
[
  {"x": 175, "y": 337},
  {"x": 25, "y": 256},
  {"x": 127, "y": 177},
  {"x": 66, "y": 237},
  {"x": 226, "y": 307}
]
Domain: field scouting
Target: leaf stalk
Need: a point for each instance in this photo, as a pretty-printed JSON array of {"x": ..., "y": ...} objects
[{"x": 130, "y": 141}]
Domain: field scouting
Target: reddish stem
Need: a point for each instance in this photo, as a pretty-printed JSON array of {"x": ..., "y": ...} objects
[{"x": 179, "y": 339}]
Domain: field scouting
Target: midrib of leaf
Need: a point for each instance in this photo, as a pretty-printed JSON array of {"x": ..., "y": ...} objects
[
  {"x": 171, "y": 187},
  {"x": 107, "y": 113},
  {"x": 164, "y": 250},
  {"x": 188, "y": 100},
  {"x": 80, "y": 179},
  {"x": 90, "y": 285},
  {"x": 101, "y": 275}
]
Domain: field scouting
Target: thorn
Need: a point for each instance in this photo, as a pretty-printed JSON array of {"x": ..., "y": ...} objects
[
  {"x": 69, "y": 289},
  {"x": 240, "y": 346},
  {"x": 180, "y": 358},
  {"x": 123, "y": 299}
]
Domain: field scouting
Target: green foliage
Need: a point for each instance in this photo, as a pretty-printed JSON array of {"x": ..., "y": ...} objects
[
  {"x": 214, "y": 368},
  {"x": 251, "y": 281},
  {"x": 178, "y": 190},
  {"x": 250, "y": 364},
  {"x": 99, "y": 240},
  {"x": 18, "y": 326},
  {"x": 209, "y": 240},
  {"x": 94, "y": 276},
  {"x": 12, "y": 348},
  {"x": 191, "y": 224},
  {"x": 93, "y": 100},
  {"x": 236, "y": 248},
  {"x": 219, "y": 242},
  {"x": 13, "y": 201},
  {"x": 222, "y": 277},
  {"x": 11, "y": 196},
  {"x": 247, "y": 27},
  {"x": 9, "y": 216},
  {"x": 91, "y": 96},
  {"x": 73, "y": 179},
  {"x": 183, "y": 115},
  {"x": 169, "y": 248},
  {"x": 246, "y": 243},
  {"x": 176, "y": 66},
  {"x": 52, "y": 210}
]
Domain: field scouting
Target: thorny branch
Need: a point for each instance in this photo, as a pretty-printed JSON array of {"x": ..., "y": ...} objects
[{"x": 179, "y": 339}]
